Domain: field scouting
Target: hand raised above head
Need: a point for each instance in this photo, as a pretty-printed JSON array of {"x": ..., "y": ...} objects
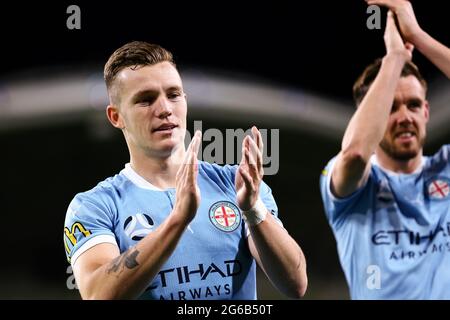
[
  {"x": 404, "y": 13},
  {"x": 393, "y": 40}
]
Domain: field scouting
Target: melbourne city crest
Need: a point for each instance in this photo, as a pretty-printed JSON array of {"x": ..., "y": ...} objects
[{"x": 225, "y": 216}]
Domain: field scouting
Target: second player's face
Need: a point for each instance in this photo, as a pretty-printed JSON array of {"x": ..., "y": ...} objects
[
  {"x": 406, "y": 131},
  {"x": 153, "y": 107}
]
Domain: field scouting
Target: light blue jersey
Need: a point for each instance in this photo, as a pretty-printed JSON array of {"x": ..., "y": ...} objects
[
  {"x": 393, "y": 234},
  {"x": 212, "y": 259}
]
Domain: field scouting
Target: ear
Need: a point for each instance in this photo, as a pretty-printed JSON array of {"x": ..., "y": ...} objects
[
  {"x": 427, "y": 111},
  {"x": 114, "y": 116}
]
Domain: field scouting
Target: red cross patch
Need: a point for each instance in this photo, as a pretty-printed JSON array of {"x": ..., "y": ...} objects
[
  {"x": 225, "y": 216},
  {"x": 438, "y": 189}
]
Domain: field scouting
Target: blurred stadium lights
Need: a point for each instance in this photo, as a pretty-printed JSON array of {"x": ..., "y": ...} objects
[{"x": 82, "y": 96}]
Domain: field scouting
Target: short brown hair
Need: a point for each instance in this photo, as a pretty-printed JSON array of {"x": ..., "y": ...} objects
[
  {"x": 366, "y": 79},
  {"x": 136, "y": 54}
]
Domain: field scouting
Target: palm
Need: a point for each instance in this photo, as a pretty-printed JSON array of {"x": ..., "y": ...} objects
[
  {"x": 243, "y": 193},
  {"x": 187, "y": 190},
  {"x": 393, "y": 39},
  {"x": 250, "y": 171}
]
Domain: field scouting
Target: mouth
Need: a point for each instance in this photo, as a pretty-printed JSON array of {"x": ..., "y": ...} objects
[
  {"x": 165, "y": 128},
  {"x": 405, "y": 136}
]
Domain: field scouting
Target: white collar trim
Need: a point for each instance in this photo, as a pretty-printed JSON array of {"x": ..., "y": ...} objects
[
  {"x": 139, "y": 181},
  {"x": 374, "y": 161}
]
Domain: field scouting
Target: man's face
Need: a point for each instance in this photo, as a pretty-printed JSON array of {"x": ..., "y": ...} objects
[
  {"x": 406, "y": 130},
  {"x": 153, "y": 108}
]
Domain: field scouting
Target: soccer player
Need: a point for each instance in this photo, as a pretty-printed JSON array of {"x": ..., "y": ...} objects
[
  {"x": 169, "y": 226},
  {"x": 387, "y": 204}
]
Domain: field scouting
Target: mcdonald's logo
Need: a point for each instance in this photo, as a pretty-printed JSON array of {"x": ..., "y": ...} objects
[{"x": 70, "y": 235}]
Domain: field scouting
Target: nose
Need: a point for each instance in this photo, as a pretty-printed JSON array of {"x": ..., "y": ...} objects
[
  {"x": 403, "y": 115},
  {"x": 163, "y": 108}
]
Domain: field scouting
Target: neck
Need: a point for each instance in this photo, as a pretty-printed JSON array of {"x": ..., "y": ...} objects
[
  {"x": 398, "y": 166},
  {"x": 159, "y": 171}
]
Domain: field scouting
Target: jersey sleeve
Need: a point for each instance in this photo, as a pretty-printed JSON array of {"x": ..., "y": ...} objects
[
  {"x": 336, "y": 209},
  {"x": 89, "y": 221},
  {"x": 443, "y": 155}
]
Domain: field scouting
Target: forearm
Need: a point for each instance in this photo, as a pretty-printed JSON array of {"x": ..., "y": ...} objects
[
  {"x": 368, "y": 124},
  {"x": 280, "y": 257},
  {"x": 435, "y": 51},
  {"x": 127, "y": 276}
]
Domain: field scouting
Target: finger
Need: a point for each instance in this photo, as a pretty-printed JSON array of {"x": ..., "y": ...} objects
[
  {"x": 409, "y": 46},
  {"x": 184, "y": 170},
  {"x": 193, "y": 162},
  {"x": 179, "y": 172},
  {"x": 188, "y": 150},
  {"x": 255, "y": 134},
  {"x": 196, "y": 146},
  {"x": 387, "y": 3},
  {"x": 255, "y": 153},
  {"x": 390, "y": 22},
  {"x": 245, "y": 148},
  {"x": 257, "y": 137},
  {"x": 195, "y": 151},
  {"x": 248, "y": 181},
  {"x": 256, "y": 170},
  {"x": 252, "y": 168},
  {"x": 242, "y": 152},
  {"x": 191, "y": 168},
  {"x": 260, "y": 142},
  {"x": 391, "y": 29}
]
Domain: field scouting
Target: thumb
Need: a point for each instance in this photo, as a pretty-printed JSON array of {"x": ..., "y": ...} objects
[
  {"x": 409, "y": 46},
  {"x": 196, "y": 145}
]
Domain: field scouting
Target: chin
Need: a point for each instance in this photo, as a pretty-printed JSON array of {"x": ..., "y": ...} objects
[
  {"x": 405, "y": 154},
  {"x": 170, "y": 147},
  {"x": 400, "y": 152}
]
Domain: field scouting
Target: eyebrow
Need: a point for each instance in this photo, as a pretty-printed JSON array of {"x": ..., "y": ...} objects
[
  {"x": 415, "y": 99},
  {"x": 143, "y": 93},
  {"x": 411, "y": 99},
  {"x": 151, "y": 92}
]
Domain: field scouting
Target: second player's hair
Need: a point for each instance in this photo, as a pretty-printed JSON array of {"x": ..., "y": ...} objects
[{"x": 369, "y": 74}]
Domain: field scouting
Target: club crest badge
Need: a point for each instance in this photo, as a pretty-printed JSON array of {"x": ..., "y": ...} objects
[
  {"x": 225, "y": 216},
  {"x": 438, "y": 189}
]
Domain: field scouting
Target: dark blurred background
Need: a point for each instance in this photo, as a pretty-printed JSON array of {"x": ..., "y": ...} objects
[{"x": 279, "y": 65}]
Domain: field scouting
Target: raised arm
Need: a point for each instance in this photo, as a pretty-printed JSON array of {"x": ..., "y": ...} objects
[
  {"x": 273, "y": 248},
  {"x": 411, "y": 31},
  {"x": 103, "y": 273},
  {"x": 368, "y": 124}
]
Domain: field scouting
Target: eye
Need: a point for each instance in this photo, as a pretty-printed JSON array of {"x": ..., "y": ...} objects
[
  {"x": 415, "y": 104},
  {"x": 146, "y": 101},
  {"x": 175, "y": 95},
  {"x": 394, "y": 108},
  {"x": 143, "y": 103}
]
